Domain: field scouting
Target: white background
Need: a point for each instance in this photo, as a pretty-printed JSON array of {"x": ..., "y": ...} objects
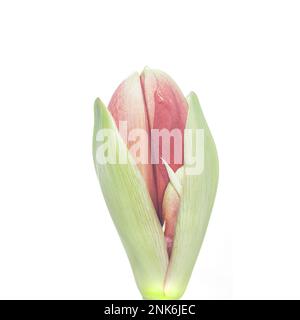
[{"x": 241, "y": 57}]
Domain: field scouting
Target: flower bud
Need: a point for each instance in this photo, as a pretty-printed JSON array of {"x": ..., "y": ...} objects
[{"x": 157, "y": 165}]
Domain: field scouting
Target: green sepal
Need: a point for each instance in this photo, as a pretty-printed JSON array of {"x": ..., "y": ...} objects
[
  {"x": 132, "y": 211},
  {"x": 197, "y": 200}
]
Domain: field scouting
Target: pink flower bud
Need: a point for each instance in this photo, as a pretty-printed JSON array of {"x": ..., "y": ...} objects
[{"x": 154, "y": 103}]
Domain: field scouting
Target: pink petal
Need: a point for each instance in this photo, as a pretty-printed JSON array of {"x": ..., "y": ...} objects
[
  {"x": 127, "y": 104},
  {"x": 170, "y": 209},
  {"x": 167, "y": 109}
]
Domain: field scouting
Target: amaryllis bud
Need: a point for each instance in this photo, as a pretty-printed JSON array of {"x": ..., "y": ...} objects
[
  {"x": 158, "y": 169},
  {"x": 153, "y": 102}
]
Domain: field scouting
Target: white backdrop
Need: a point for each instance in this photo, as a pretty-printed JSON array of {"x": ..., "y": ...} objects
[{"x": 241, "y": 57}]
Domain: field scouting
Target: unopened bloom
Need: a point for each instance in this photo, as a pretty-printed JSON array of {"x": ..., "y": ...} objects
[{"x": 158, "y": 169}]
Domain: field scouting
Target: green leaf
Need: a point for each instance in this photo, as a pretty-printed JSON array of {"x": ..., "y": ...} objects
[
  {"x": 132, "y": 211},
  {"x": 196, "y": 204}
]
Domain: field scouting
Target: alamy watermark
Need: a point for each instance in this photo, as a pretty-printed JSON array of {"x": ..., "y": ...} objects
[{"x": 153, "y": 146}]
